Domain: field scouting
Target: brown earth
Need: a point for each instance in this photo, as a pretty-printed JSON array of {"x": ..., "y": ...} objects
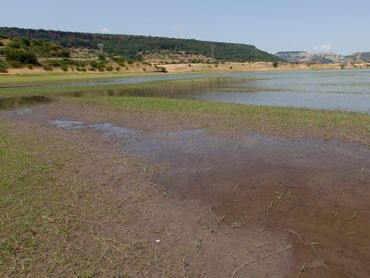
[
  {"x": 255, "y": 66},
  {"x": 221, "y": 205},
  {"x": 202, "y": 67}
]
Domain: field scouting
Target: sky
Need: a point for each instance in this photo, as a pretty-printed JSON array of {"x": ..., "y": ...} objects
[{"x": 341, "y": 26}]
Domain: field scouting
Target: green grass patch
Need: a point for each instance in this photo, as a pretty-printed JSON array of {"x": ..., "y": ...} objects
[
  {"x": 248, "y": 90},
  {"x": 56, "y": 78},
  {"x": 181, "y": 84},
  {"x": 21, "y": 202},
  {"x": 288, "y": 121}
]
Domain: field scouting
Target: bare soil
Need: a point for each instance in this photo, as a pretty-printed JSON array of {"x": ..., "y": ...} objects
[
  {"x": 255, "y": 66},
  {"x": 162, "y": 197}
]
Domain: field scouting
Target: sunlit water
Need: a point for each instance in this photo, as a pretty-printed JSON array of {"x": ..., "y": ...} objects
[
  {"x": 340, "y": 90},
  {"x": 330, "y": 90}
]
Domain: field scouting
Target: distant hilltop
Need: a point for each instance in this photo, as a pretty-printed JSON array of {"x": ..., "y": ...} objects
[
  {"x": 161, "y": 49},
  {"x": 323, "y": 57}
]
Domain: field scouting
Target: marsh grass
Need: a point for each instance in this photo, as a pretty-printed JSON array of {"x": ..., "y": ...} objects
[
  {"x": 57, "y": 91},
  {"x": 248, "y": 90},
  {"x": 53, "y": 218},
  {"x": 230, "y": 117},
  {"x": 21, "y": 179},
  {"x": 56, "y": 78}
]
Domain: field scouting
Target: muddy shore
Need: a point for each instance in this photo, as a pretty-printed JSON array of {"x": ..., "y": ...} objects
[{"x": 210, "y": 204}]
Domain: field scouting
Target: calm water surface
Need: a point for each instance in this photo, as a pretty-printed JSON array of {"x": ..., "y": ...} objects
[
  {"x": 332, "y": 90},
  {"x": 340, "y": 90}
]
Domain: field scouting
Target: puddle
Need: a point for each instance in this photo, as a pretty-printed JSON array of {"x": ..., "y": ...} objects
[
  {"x": 321, "y": 191},
  {"x": 317, "y": 192},
  {"x": 67, "y": 124},
  {"x": 106, "y": 129},
  {"x": 21, "y": 111},
  {"x": 112, "y": 130}
]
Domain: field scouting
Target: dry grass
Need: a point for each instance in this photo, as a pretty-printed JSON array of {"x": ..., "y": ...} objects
[{"x": 49, "y": 224}]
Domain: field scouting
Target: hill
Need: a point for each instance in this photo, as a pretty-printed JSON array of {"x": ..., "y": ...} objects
[
  {"x": 22, "y": 52},
  {"x": 136, "y": 47},
  {"x": 292, "y": 56},
  {"x": 359, "y": 57},
  {"x": 323, "y": 57},
  {"x": 307, "y": 57}
]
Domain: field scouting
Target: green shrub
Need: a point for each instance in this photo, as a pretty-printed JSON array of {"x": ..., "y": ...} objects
[
  {"x": 48, "y": 68},
  {"x": 15, "y": 64},
  {"x": 14, "y": 44},
  {"x": 101, "y": 58},
  {"x": 2, "y": 67},
  {"x": 94, "y": 64},
  {"x": 119, "y": 60},
  {"x": 161, "y": 69},
  {"x": 64, "y": 67},
  {"x": 21, "y": 56},
  {"x": 53, "y": 63}
]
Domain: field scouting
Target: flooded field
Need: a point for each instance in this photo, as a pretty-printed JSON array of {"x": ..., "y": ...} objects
[
  {"x": 317, "y": 192},
  {"x": 299, "y": 200},
  {"x": 330, "y": 90}
]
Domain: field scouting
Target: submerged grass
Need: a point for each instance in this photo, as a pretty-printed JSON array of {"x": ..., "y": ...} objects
[
  {"x": 158, "y": 85},
  {"x": 56, "y": 78},
  {"x": 285, "y": 121},
  {"x": 248, "y": 90},
  {"x": 11, "y": 92}
]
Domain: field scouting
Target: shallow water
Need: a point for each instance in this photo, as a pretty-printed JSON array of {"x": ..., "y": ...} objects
[
  {"x": 330, "y": 90},
  {"x": 315, "y": 189},
  {"x": 341, "y": 90}
]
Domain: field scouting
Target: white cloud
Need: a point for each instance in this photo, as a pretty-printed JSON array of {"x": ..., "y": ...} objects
[
  {"x": 323, "y": 48},
  {"x": 105, "y": 30}
]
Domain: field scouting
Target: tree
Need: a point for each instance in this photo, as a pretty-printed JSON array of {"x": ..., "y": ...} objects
[
  {"x": 2, "y": 67},
  {"x": 21, "y": 56}
]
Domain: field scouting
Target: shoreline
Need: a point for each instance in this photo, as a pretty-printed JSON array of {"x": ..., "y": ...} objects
[
  {"x": 19, "y": 80},
  {"x": 226, "y": 67}
]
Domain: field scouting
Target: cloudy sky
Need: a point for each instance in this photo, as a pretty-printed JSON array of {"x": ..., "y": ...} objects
[{"x": 272, "y": 25}]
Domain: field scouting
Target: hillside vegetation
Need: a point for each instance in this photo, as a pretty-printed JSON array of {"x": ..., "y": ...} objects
[
  {"x": 24, "y": 52},
  {"x": 323, "y": 57},
  {"x": 136, "y": 47}
]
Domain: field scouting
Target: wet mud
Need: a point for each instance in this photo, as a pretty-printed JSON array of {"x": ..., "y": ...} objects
[{"x": 315, "y": 191}]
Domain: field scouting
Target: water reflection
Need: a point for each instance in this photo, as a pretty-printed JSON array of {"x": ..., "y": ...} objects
[{"x": 331, "y": 90}]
